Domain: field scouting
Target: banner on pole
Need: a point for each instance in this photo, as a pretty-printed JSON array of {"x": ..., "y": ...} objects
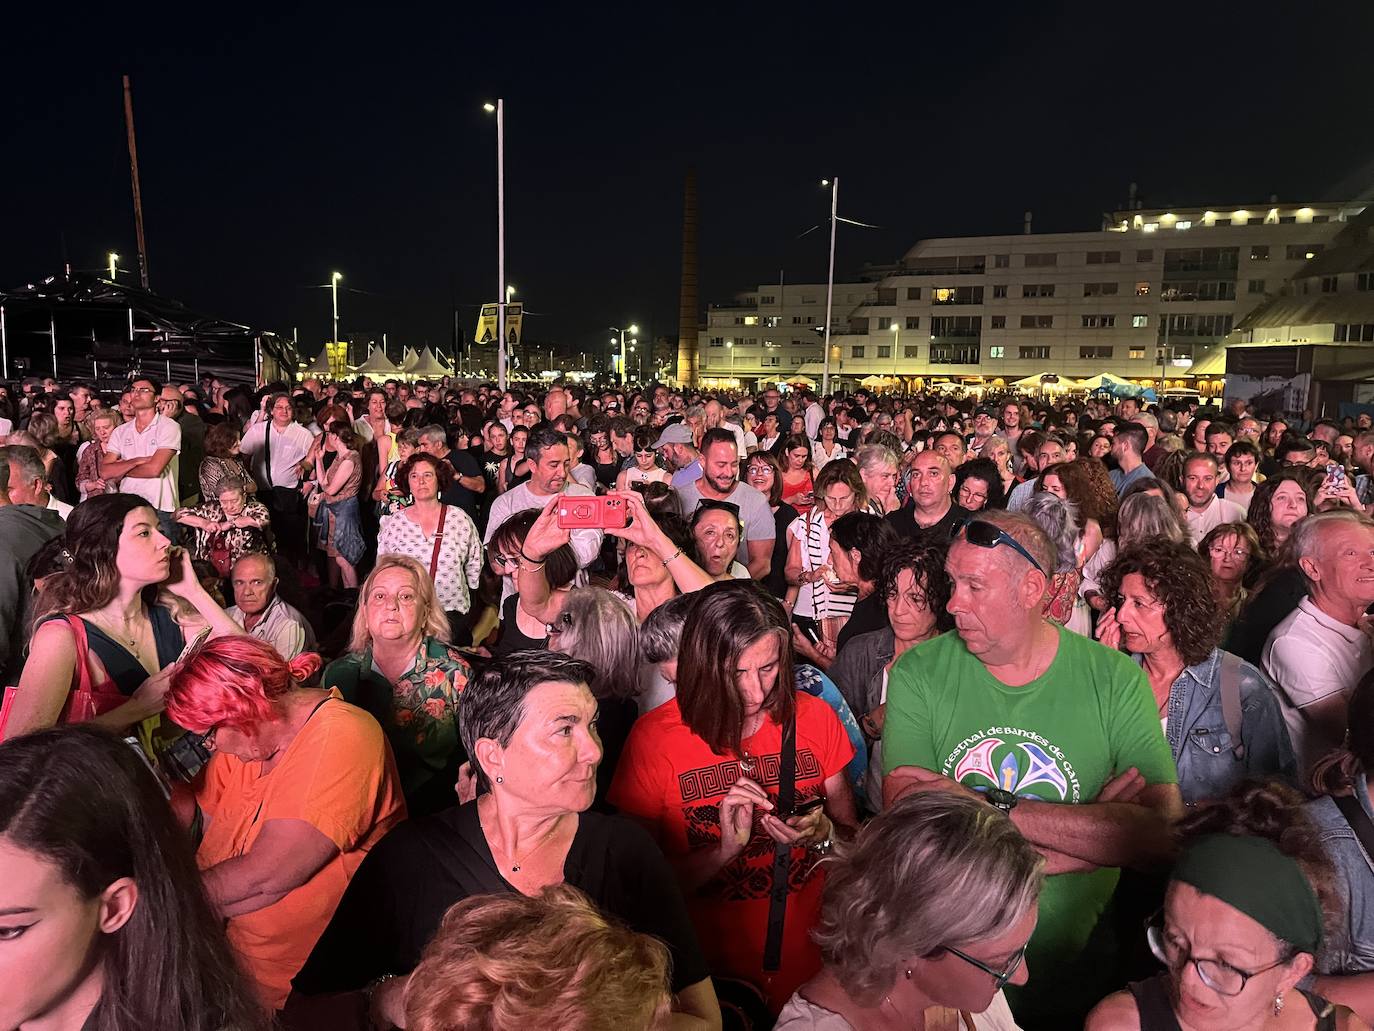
[{"x": 486, "y": 324}]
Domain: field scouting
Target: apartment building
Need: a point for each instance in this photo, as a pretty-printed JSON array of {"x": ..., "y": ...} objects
[
  {"x": 767, "y": 335},
  {"x": 1151, "y": 290}
]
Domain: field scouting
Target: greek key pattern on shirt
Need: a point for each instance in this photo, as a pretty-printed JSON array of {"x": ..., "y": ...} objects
[{"x": 708, "y": 781}]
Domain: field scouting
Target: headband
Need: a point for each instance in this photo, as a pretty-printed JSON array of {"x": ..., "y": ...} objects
[{"x": 1252, "y": 875}]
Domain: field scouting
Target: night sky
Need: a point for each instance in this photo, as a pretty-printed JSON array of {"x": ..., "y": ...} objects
[{"x": 278, "y": 146}]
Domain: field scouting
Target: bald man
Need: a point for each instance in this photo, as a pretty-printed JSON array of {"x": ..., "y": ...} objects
[{"x": 930, "y": 513}]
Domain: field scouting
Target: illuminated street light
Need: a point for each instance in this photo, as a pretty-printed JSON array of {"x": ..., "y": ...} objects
[
  {"x": 334, "y": 293},
  {"x": 114, "y": 258}
]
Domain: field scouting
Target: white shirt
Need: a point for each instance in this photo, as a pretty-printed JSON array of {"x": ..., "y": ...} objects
[
  {"x": 60, "y": 507},
  {"x": 800, "y": 1014},
  {"x": 282, "y": 626},
  {"x": 6, "y": 427},
  {"x": 289, "y": 448},
  {"x": 814, "y": 416},
  {"x": 1312, "y": 657},
  {"x": 586, "y": 544},
  {"x": 127, "y": 442},
  {"x": 460, "y": 553},
  {"x": 1218, "y": 511}
]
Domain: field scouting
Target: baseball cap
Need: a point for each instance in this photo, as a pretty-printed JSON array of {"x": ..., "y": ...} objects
[
  {"x": 989, "y": 412},
  {"x": 677, "y": 433}
]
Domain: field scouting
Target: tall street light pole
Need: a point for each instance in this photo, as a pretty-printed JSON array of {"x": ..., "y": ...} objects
[
  {"x": 834, "y": 185},
  {"x": 334, "y": 295},
  {"x": 632, "y": 329},
  {"x": 499, "y": 109},
  {"x": 114, "y": 267},
  {"x": 896, "y": 342}
]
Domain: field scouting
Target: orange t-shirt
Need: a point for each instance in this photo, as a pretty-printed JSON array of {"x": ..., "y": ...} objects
[
  {"x": 338, "y": 776},
  {"x": 670, "y": 780}
]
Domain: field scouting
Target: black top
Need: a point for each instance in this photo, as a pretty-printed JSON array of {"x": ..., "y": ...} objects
[
  {"x": 1263, "y": 613},
  {"x": 776, "y": 581},
  {"x": 1157, "y": 1012},
  {"x": 120, "y": 664},
  {"x": 463, "y": 464},
  {"x": 614, "y": 718},
  {"x": 512, "y": 638},
  {"x": 400, "y": 893},
  {"x": 606, "y": 474},
  {"x": 869, "y": 614},
  {"x": 904, "y": 522}
]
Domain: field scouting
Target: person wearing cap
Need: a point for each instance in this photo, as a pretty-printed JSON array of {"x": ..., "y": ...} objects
[
  {"x": 984, "y": 426},
  {"x": 1244, "y": 919},
  {"x": 680, "y": 455}
]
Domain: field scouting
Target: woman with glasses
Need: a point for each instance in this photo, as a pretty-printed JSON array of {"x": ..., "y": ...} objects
[
  {"x": 798, "y": 487},
  {"x": 1233, "y": 552},
  {"x": 601, "y": 455},
  {"x": 645, "y": 468},
  {"x": 1245, "y": 915},
  {"x": 978, "y": 485},
  {"x": 300, "y": 785},
  {"x": 517, "y": 628},
  {"x": 763, "y": 472},
  {"x": 821, "y": 608},
  {"x": 925, "y": 919},
  {"x": 401, "y": 668},
  {"x": 1164, "y": 613}
]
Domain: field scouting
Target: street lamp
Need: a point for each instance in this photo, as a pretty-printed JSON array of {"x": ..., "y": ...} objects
[
  {"x": 896, "y": 342},
  {"x": 499, "y": 109},
  {"x": 334, "y": 294},
  {"x": 834, "y": 185},
  {"x": 730, "y": 346},
  {"x": 632, "y": 329},
  {"x": 113, "y": 259}
]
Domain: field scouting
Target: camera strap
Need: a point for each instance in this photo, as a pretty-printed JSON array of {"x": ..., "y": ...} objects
[{"x": 782, "y": 853}]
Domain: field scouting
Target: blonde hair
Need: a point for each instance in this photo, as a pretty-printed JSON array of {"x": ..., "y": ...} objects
[
  {"x": 511, "y": 963},
  {"x": 433, "y": 622},
  {"x": 935, "y": 869}
]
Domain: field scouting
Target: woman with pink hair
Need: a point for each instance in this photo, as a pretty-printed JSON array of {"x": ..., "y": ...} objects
[{"x": 299, "y": 787}]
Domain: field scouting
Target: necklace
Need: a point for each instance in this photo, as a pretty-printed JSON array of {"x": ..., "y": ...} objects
[
  {"x": 126, "y": 639},
  {"x": 519, "y": 860}
]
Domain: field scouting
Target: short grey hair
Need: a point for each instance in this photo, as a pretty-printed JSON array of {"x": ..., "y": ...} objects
[
  {"x": 1059, "y": 519},
  {"x": 493, "y": 704},
  {"x": 871, "y": 456},
  {"x": 935, "y": 869},
  {"x": 1144, "y": 515},
  {"x": 1306, "y": 540},
  {"x": 1147, "y": 420},
  {"x": 28, "y": 461},
  {"x": 260, "y": 556},
  {"x": 434, "y": 432},
  {"x": 661, "y": 632}
]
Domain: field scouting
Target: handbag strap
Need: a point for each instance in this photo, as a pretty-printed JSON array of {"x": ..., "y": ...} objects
[
  {"x": 438, "y": 540},
  {"x": 782, "y": 853},
  {"x": 1230, "y": 702},
  {"x": 83, "y": 651},
  {"x": 1359, "y": 822}
]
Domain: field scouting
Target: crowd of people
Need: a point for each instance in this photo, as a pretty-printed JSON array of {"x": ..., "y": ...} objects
[{"x": 841, "y": 713}]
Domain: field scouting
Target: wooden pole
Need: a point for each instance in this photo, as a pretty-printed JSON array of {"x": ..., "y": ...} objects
[{"x": 138, "y": 193}]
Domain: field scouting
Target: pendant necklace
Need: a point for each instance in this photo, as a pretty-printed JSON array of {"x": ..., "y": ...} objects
[{"x": 515, "y": 866}]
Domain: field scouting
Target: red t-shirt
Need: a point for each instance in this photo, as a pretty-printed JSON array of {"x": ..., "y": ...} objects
[{"x": 671, "y": 781}]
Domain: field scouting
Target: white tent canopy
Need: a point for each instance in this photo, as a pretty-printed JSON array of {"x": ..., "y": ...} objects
[
  {"x": 1039, "y": 381},
  {"x": 320, "y": 366},
  {"x": 377, "y": 364},
  {"x": 427, "y": 365}
]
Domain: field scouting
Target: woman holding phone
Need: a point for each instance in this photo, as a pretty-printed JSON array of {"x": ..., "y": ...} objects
[{"x": 103, "y": 625}]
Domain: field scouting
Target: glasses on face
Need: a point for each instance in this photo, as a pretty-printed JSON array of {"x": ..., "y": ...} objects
[
  {"x": 986, "y": 535},
  {"x": 505, "y": 560},
  {"x": 1216, "y": 974},
  {"x": 757, "y": 471},
  {"x": 1221, "y": 551},
  {"x": 1001, "y": 977}
]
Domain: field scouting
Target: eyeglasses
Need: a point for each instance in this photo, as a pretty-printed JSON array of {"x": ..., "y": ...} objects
[
  {"x": 1000, "y": 977},
  {"x": 1216, "y": 974},
  {"x": 207, "y": 740},
  {"x": 505, "y": 560},
  {"x": 986, "y": 535},
  {"x": 1220, "y": 551}
]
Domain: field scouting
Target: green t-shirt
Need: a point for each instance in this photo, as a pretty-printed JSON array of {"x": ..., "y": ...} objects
[{"x": 1060, "y": 738}]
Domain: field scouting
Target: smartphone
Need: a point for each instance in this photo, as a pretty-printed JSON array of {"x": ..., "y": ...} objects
[
  {"x": 1335, "y": 477},
  {"x": 809, "y": 805},
  {"x": 808, "y": 628},
  {"x": 193, "y": 644},
  {"x": 581, "y": 513}
]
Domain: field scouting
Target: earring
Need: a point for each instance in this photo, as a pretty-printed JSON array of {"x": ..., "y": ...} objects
[
  {"x": 1278, "y": 1004},
  {"x": 499, "y": 780},
  {"x": 908, "y": 975}
]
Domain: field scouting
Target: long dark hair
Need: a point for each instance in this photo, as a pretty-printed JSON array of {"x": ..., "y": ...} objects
[
  {"x": 84, "y": 801},
  {"x": 1261, "y": 517},
  {"x": 726, "y": 619},
  {"x": 1335, "y": 773},
  {"x": 91, "y": 579}
]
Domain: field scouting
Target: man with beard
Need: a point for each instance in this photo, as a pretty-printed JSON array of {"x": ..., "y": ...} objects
[
  {"x": 931, "y": 514},
  {"x": 719, "y": 481}
]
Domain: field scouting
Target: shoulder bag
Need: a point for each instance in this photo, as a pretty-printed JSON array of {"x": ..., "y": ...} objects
[{"x": 84, "y": 701}]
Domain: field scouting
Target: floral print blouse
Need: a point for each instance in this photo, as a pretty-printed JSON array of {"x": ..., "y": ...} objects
[
  {"x": 419, "y": 712},
  {"x": 460, "y": 553}
]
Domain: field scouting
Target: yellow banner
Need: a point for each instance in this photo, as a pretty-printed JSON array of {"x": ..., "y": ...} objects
[{"x": 486, "y": 324}]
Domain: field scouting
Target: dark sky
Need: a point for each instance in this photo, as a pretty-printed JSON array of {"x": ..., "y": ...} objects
[{"x": 278, "y": 146}]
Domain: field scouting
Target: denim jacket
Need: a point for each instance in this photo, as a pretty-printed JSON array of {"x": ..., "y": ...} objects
[
  {"x": 1352, "y": 952},
  {"x": 1200, "y": 743}
]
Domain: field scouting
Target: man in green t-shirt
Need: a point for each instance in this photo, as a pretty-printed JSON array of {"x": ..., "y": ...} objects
[{"x": 1048, "y": 725}]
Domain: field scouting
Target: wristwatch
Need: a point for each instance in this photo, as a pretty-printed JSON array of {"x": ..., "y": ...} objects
[{"x": 1000, "y": 799}]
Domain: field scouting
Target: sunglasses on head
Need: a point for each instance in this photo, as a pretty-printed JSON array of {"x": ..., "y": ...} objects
[{"x": 986, "y": 535}]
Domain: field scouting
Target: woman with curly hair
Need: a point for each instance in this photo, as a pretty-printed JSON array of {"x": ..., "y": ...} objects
[
  {"x": 1245, "y": 915},
  {"x": 1235, "y": 555},
  {"x": 978, "y": 485},
  {"x": 509, "y": 962},
  {"x": 925, "y": 919},
  {"x": 1278, "y": 504},
  {"x": 1163, "y": 611}
]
